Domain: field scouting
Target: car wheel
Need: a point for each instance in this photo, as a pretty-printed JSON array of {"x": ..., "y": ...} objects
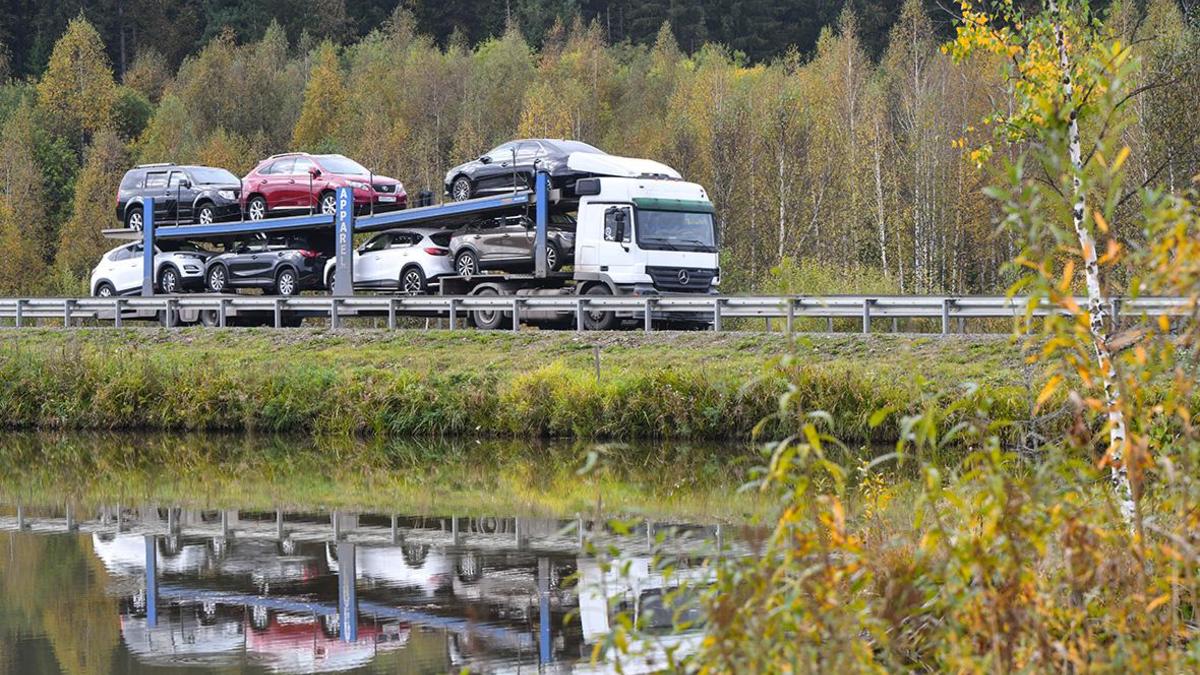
[
  {"x": 287, "y": 283},
  {"x": 553, "y": 258},
  {"x": 133, "y": 219},
  {"x": 328, "y": 204},
  {"x": 460, "y": 189},
  {"x": 466, "y": 264},
  {"x": 412, "y": 281},
  {"x": 206, "y": 215},
  {"x": 257, "y": 209},
  {"x": 217, "y": 279},
  {"x": 168, "y": 280},
  {"x": 105, "y": 290},
  {"x": 490, "y": 319},
  {"x": 594, "y": 319}
]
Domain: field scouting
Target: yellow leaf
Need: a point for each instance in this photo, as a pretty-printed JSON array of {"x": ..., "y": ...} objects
[
  {"x": 1158, "y": 602},
  {"x": 1164, "y": 324},
  {"x": 1048, "y": 390},
  {"x": 1121, "y": 157},
  {"x": 1100, "y": 221}
]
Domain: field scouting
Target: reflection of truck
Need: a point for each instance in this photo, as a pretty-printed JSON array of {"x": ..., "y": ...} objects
[{"x": 640, "y": 231}]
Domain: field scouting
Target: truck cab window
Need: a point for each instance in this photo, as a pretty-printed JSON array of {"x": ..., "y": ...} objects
[{"x": 617, "y": 223}]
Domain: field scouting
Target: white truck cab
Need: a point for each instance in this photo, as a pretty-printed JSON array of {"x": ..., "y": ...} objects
[{"x": 646, "y": 236}]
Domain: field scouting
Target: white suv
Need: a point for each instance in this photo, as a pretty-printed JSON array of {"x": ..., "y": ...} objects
[
  {"x": 120, "y": 270},
  {"x": 405, "y": 260}
]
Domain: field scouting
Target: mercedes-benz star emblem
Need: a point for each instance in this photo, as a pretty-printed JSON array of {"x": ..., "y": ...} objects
[{"x": 684, "y": 278}]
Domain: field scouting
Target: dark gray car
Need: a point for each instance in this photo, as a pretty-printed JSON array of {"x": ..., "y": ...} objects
[
  {"x": 512, "y": 165},
  {"x": 507, "y": 244}
]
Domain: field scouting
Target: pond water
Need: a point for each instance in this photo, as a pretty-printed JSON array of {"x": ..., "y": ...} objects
[{"x": 95, "y": 581}]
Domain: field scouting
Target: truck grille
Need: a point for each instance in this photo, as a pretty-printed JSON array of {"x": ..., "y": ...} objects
[{"x": 682, "y": 279}]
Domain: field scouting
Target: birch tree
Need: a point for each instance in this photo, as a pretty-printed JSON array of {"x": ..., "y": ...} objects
[{"x": 1062, "y": 69}]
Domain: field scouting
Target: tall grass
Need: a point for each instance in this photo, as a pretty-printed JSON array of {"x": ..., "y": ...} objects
[{"x": 151, "y": 388}]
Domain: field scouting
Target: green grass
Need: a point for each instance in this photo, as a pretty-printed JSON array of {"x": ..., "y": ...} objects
[{"x": 466, "y": 383}]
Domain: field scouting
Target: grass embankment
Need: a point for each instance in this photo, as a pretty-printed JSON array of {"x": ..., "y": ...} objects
[{"x": 534, "y": 384}]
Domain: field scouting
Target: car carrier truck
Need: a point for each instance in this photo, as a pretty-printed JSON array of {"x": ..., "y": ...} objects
[{"x": 641, "y": 232}]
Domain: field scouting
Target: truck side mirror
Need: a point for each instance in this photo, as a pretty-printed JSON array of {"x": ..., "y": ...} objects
[{"x": 619, "y": 234}]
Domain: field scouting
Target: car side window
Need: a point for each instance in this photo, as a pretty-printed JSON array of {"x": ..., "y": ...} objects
[
  {"x": 156, "y": 180},
  {"x": 378, "y": 243},
  {"x": 280, "y": 167},
  {"x": 501, "y": 153},
  {"x": 403, "y": 240},
  {"x": 302, "y": 165},
  {"x": 617, "y": 220},
  {"x": 176, "y": 179},
  {"x": 120, "y": 254},
  {"x": 529, "y": 151}
]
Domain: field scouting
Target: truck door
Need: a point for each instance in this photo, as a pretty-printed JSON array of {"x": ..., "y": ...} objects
[{"x": 616, "y": 233}]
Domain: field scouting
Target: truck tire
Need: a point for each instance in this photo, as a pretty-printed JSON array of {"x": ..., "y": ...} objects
[
  {"x": 490, "y": 319},
  {"x": 598, "y": 320}
]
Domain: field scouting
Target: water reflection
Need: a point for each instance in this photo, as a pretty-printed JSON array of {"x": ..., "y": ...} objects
[{"x": 138, "y": 590}]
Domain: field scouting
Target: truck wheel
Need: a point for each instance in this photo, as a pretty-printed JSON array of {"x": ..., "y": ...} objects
[
  {"x": 594, "y": 319},
  {"x": 490, "y": 319}
]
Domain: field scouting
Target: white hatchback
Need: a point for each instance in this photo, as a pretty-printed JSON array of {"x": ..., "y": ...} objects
[
  {"x": 120, "y": 270},
  {"x": 405, "y": 260}
]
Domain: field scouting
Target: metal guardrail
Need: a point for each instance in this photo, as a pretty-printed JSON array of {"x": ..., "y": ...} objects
[{"x": 710, "y": 308}]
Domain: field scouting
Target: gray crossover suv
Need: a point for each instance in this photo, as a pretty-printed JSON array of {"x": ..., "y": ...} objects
[{"x": 507, "y": 244}]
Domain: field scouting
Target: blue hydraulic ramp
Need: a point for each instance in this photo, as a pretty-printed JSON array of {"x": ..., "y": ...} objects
[{"x": 449, "y": 213}]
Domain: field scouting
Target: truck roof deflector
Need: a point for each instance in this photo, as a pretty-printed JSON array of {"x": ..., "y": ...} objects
[{"x": 622, "y": 167}]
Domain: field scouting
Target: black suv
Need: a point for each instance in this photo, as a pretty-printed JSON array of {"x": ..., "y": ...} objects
[
  {"x": 280, "y": 265},
  {"x": 182, "y": 195}
]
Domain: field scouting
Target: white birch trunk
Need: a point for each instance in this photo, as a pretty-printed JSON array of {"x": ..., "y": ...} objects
[
  {"x": 883, "y": 261},
  {"x": 1097, "y": 303}
]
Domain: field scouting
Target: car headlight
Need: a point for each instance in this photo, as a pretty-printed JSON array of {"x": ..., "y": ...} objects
[
  {"x": 227, "y": 194},
  {"x": 357, "y": 185},
  {"x": 191, "y": 269}
]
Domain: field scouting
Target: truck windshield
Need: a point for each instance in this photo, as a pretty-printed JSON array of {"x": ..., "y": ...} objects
[{"x": 675, "y": 231}]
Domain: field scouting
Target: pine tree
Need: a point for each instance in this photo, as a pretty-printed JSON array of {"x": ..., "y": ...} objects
[{"x": 324, "y": 103}]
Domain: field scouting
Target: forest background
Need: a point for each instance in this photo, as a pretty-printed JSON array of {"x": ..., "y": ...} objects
[{"x": 833, "y": 137}]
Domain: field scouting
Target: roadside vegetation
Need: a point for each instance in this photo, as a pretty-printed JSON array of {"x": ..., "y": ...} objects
[{"x": 434, "y": 383}]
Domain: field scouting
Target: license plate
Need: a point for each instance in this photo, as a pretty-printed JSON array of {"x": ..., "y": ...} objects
[{"x": 387, "y": 199}]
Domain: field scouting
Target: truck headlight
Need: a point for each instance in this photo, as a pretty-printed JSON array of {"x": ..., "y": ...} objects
[{"x": 226, "y": 194}]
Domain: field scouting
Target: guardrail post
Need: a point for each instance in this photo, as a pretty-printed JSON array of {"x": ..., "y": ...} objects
[
  {"x": 453, "y": 313},
  {"x": 579, "y": 300},
  {"x": 647, "y": 317},
  {"x": 946, "y": 303},
  {"x": 791, "y": 315},
  {"x": 1115, "y": 312},
  {"x": 17, "y": 313},
  {"x": 516, "y": 312},
  {"x": 67, "y": 312},
  {"x": 277, "y": 310},
  {"x": 334, "y": 319},
  {"x": 221, "y": 312},
  {"x": 117, "y": 302},
  {"x": 829, "y": 324},
  {"x": 866, "y": 315},
  {"x": 717, "y": 315},
  {"x": 391, "y": 320}
]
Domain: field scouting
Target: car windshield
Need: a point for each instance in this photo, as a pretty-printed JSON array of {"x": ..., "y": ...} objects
[
  {"x": 675, "y": 231},
  {"x": 576, "y": 146},
  {"x": 208, "y": 176},
  {"x": 343, "y": 165}
]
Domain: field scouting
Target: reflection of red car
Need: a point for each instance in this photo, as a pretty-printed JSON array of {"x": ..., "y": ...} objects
[{"x": 296, "y": 183}]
